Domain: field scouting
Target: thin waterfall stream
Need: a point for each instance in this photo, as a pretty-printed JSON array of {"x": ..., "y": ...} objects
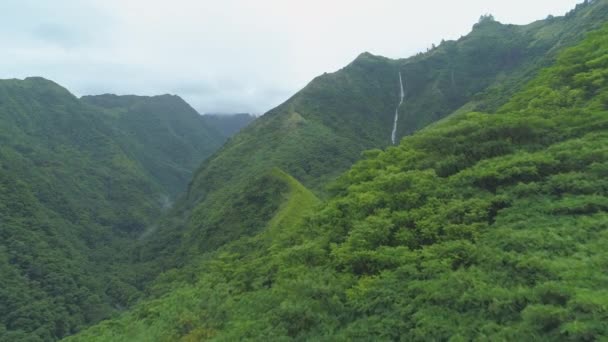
[{"x": 402, "y": 95}]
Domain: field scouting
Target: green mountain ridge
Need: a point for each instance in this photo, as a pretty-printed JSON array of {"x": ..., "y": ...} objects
[
  {"x": 167, "y": 136},
  {"x": 75, "y": 193},
  {"x": 290, "y": 204},
  {"x": 321, "y": 131},
  {"x": 485, "y": 226},
  {"x": 486, "y": 222}
]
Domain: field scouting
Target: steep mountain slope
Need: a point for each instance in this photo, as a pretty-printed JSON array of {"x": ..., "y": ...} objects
[
  {"x": 321, "y": 130},
  {"x": 482, "y": 70},
  {"x": 70, "y": 199},
  {"x": 78, "y": 185},
  {"x": 228, "y": 124},
  {"x": 485, "y": 226},
  {"x": 163, "y": 133},
  {"x": 178, "y": 313}
]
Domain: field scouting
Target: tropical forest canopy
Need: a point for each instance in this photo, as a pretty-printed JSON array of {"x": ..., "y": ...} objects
[{"x": 134, "y": 218}]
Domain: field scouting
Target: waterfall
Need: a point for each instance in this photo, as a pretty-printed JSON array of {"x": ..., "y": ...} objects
[{"x": 401, "y": 96}]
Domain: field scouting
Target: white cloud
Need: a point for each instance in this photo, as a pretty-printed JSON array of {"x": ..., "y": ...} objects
[{"x": 230, "y": 55}]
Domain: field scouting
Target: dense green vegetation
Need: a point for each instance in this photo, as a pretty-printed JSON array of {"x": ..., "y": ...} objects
[
  {"x": 487, "y": 226},
  {"x": 487, "y": 223},
  {"x": 481, "y": 71},
  {"x": 180, "y": 314},
  {"x": 163, "y": 133},
  {"x": 77, "y": 188},
  {"x": 321, "y": 131},
  {"x": 69, "y": 200}
]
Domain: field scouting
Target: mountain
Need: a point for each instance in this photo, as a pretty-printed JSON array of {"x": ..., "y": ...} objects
[
  {"x": 79, "y": 184},
  {"x": 70, "y": 199},
  {"x": 163, "y": 133},
  {"x": 485, "y": 225},
  {"x": 228, "y": 124},
  {"x": 485, "y": 221},
  {"x": 321, "y": 131}
]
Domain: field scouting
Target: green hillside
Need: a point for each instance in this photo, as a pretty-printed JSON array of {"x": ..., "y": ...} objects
[
  {"x": 163, "y": 133},
  {"x": 78, "y": 186},
  {"x": 133, "y": 218},
  {"x": 70, "y": 199},
  {"x": 188, "y": 309},
  {"x": 322, "y": 130},
  {"x": 481, "y": 71},
  {"x": 485, "y": 226}
]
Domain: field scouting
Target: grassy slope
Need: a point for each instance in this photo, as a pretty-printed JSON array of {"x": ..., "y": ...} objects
[
  {"x": 181, "y": 313},
  {"x": 486, "y": 226}
]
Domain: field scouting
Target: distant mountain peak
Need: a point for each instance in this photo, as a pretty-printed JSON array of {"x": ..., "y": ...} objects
[{"x": 368, "y": 56}]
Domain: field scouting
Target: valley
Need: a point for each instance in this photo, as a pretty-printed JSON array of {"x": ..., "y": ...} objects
[{"x": 481, "y": 215}]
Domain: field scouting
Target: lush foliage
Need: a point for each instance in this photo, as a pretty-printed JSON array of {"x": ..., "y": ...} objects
[
  {"x": 76, "y": 190},
  {"x": 322, "y": 130},
  {"x": 163, "y": 133},
  {"x": 484, "y": 226},
  {"x": 192, "y": 312},
  {"x": 481, "y": 71}
]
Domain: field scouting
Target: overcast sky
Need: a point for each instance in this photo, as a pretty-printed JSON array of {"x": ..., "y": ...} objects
[{"x": 227, "y": 55}]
